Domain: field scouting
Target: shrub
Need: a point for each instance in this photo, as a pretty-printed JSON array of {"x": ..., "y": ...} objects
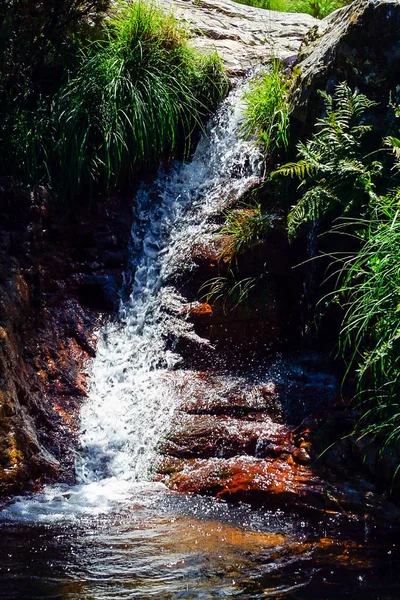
[
  {"x": 267, "y": 109},
  {"x": 137, "y": 95},
  {"x": 369, "y": 290},
  {"x": 38, "y": 37},
  {"x": 317, "y": 8}
]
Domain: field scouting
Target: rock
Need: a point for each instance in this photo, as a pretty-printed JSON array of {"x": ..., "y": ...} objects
[
  {"x": 301, "y": 456},
  {"x": 205, "y": 436},
  {"x": 360, "y": 44},
  {"x": 47, "y": 329},
  {"x": 207, "y": 392},
  {"x": 267, "y": 482},
  {"x": 244, "y": 36}
]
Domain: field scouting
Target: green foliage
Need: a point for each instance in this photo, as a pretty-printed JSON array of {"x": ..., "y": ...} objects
[
  {"x": 243, "y": 228},
  {"x": 370, "y": 292},
  {"x": 337, "y": 172},
  {"x": 229, "y": 291},
  {"x": 317, "y": 8},
  {"x": 267, "y": 109},
  {"x": 368, "y": 289},
  {"x": 39, "y": 38},
  {"x": 139, "y": 93}
]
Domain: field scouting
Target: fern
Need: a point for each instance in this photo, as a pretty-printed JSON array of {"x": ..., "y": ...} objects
[
  {"x": 394, "y": 144},
  {"x": 336, "y": 176}
]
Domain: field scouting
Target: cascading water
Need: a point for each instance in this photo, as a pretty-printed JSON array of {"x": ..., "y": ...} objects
[{"x": 129, "y": 406}]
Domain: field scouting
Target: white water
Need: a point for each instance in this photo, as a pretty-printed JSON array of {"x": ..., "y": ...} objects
[{"x": 130, "y": 405}]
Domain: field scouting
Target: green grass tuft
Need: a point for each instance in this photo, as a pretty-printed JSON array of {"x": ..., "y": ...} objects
[
  {"x": 267, "y": 109},
  {"x": 244, "y": 227},
  {"x": 317, "y": 8},
  {"x": 137, "y": 96},
  {"x": 370, "y": 336}
]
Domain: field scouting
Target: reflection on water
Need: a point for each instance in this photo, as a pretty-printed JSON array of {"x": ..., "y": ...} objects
[{"x": 159, "y": 545}]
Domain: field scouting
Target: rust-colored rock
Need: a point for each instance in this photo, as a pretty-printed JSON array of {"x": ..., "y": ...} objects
[{"x": 48, "y": 317}]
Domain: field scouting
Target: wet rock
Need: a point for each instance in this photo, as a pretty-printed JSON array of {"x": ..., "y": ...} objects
[
  {"x": 244, "y": 36},
  {"x": 272, "y": 483},
  {"x": 269, "y": 482},
  {"x": 199, "y": 312},
  {"x": 210, "y": 254},
  {"x": 207, "y": 392},
  {"x": 47, "y": 329},
  {"x": 359, "y": 44},
  {"x": 204, "y": 436},
  {"x": 301, "y": 456}
]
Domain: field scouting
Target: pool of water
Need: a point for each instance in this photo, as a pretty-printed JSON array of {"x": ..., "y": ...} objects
[{"x": 161, "y": 545}]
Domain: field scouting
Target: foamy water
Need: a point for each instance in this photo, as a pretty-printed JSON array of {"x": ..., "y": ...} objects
[{"x": 130, "y": 405}]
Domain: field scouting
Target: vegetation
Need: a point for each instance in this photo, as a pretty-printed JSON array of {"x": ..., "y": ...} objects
[
  {"x": 317, "y": 8},
  {"x": 345, "y": 184},
  {"x": 336, "y": 169},
  {"x": 267, "y": 109},
  {"x": 135, "y": 93},
  {"x": 349, "y": 174},
  {"x": 369, "y": 290},
  {"x": 38, "y": 40},
  {"x": 244, "y": 227}
]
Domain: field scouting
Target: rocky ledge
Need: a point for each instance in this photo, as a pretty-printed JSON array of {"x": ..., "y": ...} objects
[
  {"x": 244, "y": 36},
  {"x": 245, "y": 440}
]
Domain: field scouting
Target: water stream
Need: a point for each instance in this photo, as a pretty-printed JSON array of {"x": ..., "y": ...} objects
[{"x": 116, "y": 534}]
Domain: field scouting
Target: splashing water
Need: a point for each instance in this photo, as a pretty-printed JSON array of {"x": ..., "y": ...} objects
[{"x": 130, "y": 406}]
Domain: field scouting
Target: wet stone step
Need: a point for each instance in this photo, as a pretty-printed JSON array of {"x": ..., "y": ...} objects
[{"x": 207, "y": 436}]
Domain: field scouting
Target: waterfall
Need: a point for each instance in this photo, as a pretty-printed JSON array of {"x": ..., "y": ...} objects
[
  {"x": 129, "y": 408},
  {"x": 129, "y": 405}
]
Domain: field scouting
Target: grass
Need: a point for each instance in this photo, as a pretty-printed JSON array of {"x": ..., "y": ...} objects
[
  {"x": 243, "y": 227},
  {"x": 267, "y": 109},
  {"x": 317, "y": 8},
  {"x": 137, "y": 97},
  {"x": 370, "y": 335}
]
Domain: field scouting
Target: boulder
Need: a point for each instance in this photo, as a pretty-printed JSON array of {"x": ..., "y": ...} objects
[
  {"x": 244, "y": 36},
  {"x": 360, "y": 44}
]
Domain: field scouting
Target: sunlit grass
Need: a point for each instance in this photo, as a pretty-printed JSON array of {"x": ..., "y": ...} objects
[
  {"x": 138, "y": 95},
  {"x": 370, "y": 334},
  {"x": 316, "y": 8},
  {"x": 267, "y": 109}
]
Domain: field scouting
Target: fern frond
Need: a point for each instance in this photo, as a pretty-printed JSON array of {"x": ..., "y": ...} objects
[
  {"x": 311, "y": 207},
  {"x": 332, "y": 166},
  {"x": 394, "y": 144},
  {"x": 301, "y": 169}
]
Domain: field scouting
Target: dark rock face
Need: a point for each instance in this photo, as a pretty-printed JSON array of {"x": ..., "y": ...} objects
[
  {"x": 360, "y": 44},
  {"x": 56, "y": 283}
]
